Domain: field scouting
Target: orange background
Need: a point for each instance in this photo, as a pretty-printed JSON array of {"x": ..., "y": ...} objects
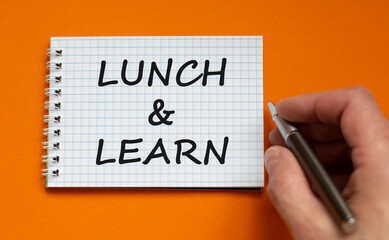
[{"x": 308, "y": 46}]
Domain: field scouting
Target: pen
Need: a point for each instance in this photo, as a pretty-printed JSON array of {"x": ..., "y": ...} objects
[{"x": 315, "y": 172}]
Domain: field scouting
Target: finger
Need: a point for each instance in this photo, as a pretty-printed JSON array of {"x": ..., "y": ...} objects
[
  {"x": 313, "y": 131},
  {"x": 292, "y": 196},
  {"x": 320, "y": 132},
  {"x": 329, "y": 153},
  {"x": 275, "y": 138},
  {"x": 354, "y": 109}
]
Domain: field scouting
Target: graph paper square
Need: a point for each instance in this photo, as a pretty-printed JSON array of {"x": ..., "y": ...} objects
[{"x": 118, "y": 112}]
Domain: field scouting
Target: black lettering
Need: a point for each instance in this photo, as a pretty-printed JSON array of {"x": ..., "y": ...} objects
[
  {"x": 187, "y": 153},
  {"x": 101, "y": 77},
  {"x": 123, "y": 150},
  {"x": 154, "y": 68},
  {"x": 140, "y": 73},
  {"x": 221, "y": 72},
  {"x": 211, "y": 147},
  {"x": 182, "y": 68},
  {"x": 152, "y": 154},
  {"x": 99, "y": 151}
]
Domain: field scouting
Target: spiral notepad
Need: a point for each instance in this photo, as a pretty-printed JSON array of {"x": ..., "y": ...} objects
[{"x": 160, "y": 112}]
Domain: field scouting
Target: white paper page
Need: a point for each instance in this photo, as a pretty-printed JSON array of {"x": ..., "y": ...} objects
[{"x": 117, "y": 112}]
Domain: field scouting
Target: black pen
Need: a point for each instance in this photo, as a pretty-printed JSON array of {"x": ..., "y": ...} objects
[{"x": 316, "y": 173}]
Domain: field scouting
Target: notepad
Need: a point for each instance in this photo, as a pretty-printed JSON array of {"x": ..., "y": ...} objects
[{"x": 158, "y": 112}]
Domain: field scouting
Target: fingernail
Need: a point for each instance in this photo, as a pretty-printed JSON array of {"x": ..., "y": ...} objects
[{"x": 271, "y": 158}]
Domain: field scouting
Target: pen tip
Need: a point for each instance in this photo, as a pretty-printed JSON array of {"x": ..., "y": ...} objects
[{"x": 272, "y": 108}]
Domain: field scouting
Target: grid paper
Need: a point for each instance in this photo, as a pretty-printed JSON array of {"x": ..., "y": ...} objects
[{"x": 116, "y": 112}]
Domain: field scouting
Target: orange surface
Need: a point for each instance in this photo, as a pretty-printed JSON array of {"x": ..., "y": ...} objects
[{"x": 308, "y": 46}]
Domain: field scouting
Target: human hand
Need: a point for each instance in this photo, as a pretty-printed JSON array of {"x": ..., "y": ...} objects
[{"x": 350, "y": 135}]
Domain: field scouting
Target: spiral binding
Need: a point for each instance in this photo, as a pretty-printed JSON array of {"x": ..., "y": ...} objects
[
  {"x": 53, "y": 79},
  {"x": 53, "y": 91},
  {"x": 53, "y": 66},
  {"x": 53, "y": 172},
  {"x": 52, "y": 106},
  {"x": 54, "y": 52},
  {"x": 52, "y": 119},
  {"x": 52, "y": 131},
  {"x": 47, "y": 158}
]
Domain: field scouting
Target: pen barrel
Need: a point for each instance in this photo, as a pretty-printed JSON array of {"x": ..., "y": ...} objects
[{"x": 320, "y": 180}]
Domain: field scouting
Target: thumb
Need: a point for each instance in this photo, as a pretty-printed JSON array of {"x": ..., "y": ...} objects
[{"x": 291, "y": 194}]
